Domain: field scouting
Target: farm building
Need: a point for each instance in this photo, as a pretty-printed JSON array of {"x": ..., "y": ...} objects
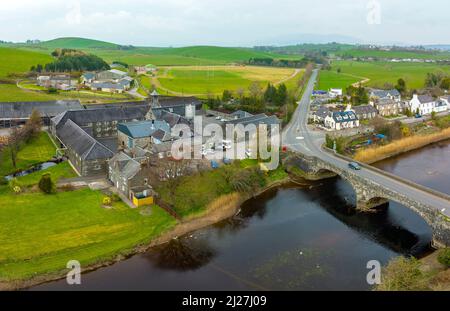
[
  {"x": 19, "y": 112},
  {"x": 88, "y": 156},
  {"x": 58, "y": 81}
]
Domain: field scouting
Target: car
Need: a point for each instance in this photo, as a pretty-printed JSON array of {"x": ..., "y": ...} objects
[
  {"x": 418, "y": 116},
  {"x": 354, "y": 166}
]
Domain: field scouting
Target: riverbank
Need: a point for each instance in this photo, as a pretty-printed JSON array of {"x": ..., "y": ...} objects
[
  {"x": 218, "y": 210},
  {"x": 404, "y": 145}
]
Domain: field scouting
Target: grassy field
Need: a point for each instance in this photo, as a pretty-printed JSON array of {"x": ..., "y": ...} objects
[
  {"x": 39, "y": 150},
  {"x": 200, "y": 80},
  {"x": 19, "y": 61},
  {"x": 332, "y": 79},
  {"x": 61, "y": 170},
  {"x": 379, "y": 73},
  {"x": 395, "y": 54},
  {"x": 40, "y": 233}
]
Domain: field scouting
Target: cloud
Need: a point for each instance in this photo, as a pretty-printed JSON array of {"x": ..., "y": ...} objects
[{"x": 73, "y": 16}]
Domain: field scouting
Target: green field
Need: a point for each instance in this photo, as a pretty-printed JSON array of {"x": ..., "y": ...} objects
[
  {"x": 40, "y": 233},
  {"x": 59, "y": 171},
  {"x": 19, "y": 61},
  {"x": 395, "y": 54},
  {"x": 40, "y": 149},
  {"x": 379, "y": 73},
  {"x": 332, "y": 79},
  {"x": 214, "y": 79}
]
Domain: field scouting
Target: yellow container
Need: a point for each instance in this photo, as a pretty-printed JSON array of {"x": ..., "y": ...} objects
[{"x": 142, "y": 202}]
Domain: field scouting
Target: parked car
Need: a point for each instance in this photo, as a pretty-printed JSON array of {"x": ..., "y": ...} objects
[
  {"x": 354, "y": 166},
  {"x": 418, "y": 116}
]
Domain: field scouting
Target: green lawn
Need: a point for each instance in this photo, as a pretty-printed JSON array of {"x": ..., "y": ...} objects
[
  {"x": 383, "y": 72},
  {"x": 59, "y": 171},
  {"x": 19, "y": 61},
  {"x": 38, "y": 150},
  {"x": 332, "y": 79},
  {"x": 40, "y": 233},
  {"x": 395, "y": 54},
  {"x": 11, "y": 93}
]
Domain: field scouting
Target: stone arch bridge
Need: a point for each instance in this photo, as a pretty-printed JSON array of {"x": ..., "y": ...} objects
[{"x": 374, "y": 187}]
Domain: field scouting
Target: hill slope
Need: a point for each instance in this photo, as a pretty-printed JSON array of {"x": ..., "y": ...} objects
[
  {"x": 78, "y": 43},
  {"x": 19, "y": 61}
]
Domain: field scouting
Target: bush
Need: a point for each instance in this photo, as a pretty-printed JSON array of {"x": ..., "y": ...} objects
[
  {"x": 46, "y": 184},
  {"x": 403, "y": 274},
  {"x": 107, "y": 201},
  {"x": 115, "y": 197},
  {"x": 15, "y": 186},
  {"x": 444, "y": 257}
]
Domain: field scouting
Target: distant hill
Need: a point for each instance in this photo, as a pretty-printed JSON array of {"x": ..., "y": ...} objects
[
  {"x": 78, "y": 43},
  {"x": 215, "y": 53}
]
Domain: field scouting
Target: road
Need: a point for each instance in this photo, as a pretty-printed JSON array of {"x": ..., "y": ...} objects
[{"x": 298, "y": 136}]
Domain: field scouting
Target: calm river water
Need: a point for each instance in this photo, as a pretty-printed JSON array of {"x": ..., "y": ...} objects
[{"x": 291, "y": 238}]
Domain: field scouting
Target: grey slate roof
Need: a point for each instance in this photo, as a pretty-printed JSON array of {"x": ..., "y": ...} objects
[
  {"x": 143, "y": 128},
  {"x": 171, "y": 102},
  {"x": 425, "y": 99},
  {"x": 384, "y": 93},
  {"x": 101, "y": 115},
  {"x": 108, "y": 85},
  {"x": 23, "y": 110},
  {"x": 171, "y": 118},
  {"x": 241, "y": 114},
  {"x": 125, "y": 165},
  {"x": 364, "y": 109},
  {"x": 344, "y": 116},
  {"x": 89, "y": 75},
  {"x": 82, "y": 143},
  {"x": 322, "y": 112}
]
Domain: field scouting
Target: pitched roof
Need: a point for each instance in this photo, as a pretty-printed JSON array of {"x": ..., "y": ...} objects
[
  {"x": 143, "y": 128},
  {"x": 344, "y": 116},
  {"x": 241, "y": 114},
  {"x": 364, "y": 109},
  {"x": 255, "y": 119},
  {"x": 101, "y": 115},
  {"x": 82, "y": 143},
  {"x": 118, "y": 72},
  {"x": 322, "y": 112},
  {"x": 108, "y": 85},
  {"x": 23, "y": 110},
  {"x": 384, "y": 93},
  {"x": 125, "y": 165},
  {"x": 423, "y": 99},
  {"x": 89, "y": 75}
]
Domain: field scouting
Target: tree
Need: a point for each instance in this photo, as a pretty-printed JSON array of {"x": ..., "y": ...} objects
[
  {"x": 281, "y": 95},
  {"x": 445, "y": 83},
  {"x": 46, "y": 183},
  {"x": 240, "y": 92},
  {"x": 33, "y": 126},
  {"x": 226, "y": 96},
  {"x": 401, "y": 86},
  {"x": 14, "y": 140},
  {"x": 255, "y": 89},
  {"x": 270, "y": 93}
]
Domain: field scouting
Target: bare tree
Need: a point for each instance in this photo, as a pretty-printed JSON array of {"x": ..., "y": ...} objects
[
  {"x": 14, "y": 141},
  {"x": 240, "y": 92},
  {"x": 255, "y": 89}
]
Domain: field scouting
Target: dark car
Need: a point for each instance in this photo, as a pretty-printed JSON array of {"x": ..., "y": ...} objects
[{"x": 354, "y": 166}]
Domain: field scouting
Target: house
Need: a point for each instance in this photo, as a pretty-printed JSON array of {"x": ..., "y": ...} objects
[
  {"x": 87, "y": 78},
  {"x": 446, "y": 99},
  {"x": 86, "y": 155},
  {"x": 184, "y": 106},
  {"x": 340, "y": 120},
  {"x": 375, "y": 95},
  {"x": 143, "y": 134},
  {"x": 19, "y": 112},
  {"x": 388, "y": 107},
  {"x": 320, "y": 115},
  {"x": 364, "y": 112},
  {"x": 54, "y": 81},
  {"x": 333, "y": 93},
  {"x": 130, "y": 176},
  {"x": 425, "y": 104}
]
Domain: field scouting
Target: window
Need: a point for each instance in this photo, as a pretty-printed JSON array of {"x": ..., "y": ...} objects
[{"x": 146, "y": 181}]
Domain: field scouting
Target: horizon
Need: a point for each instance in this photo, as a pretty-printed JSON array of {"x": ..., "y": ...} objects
[{"x": 177, "y": 23}]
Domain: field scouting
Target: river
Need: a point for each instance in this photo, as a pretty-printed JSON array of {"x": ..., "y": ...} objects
[{"x": 290, "y": 238}]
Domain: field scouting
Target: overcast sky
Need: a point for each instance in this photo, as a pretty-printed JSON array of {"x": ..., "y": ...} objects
[{"x": 227, "y": 22}]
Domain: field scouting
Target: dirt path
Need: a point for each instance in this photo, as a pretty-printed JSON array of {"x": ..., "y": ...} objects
[{"x": 292, "y": 76}]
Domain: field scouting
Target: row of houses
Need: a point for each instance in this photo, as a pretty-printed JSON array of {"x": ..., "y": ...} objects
[{"x": 112, "y": 81}]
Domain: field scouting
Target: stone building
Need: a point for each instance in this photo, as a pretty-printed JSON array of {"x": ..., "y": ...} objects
[
  {"x": 389, "y": 107},
  {"x": 87, "y": 155},
  {"x": 143, "y": 134}
]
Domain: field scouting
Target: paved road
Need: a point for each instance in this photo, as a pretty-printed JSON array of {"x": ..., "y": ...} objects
[{"x": 298, "y": 136}]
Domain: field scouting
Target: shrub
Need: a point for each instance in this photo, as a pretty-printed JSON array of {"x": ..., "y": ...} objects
[
  {"x": 107, "y": 201},
  {"x": 46, "y": 184},
  {"x": 15, "y": 186},
  {"x": 403, "y": 274},
  {"x": 444, "y": 257}
]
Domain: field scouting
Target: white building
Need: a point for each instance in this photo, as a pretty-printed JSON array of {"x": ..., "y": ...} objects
[
  {"x": 425, "y": 104},
  {"x": 341, "y": 120},
  {"x": 335, "y": 93}
]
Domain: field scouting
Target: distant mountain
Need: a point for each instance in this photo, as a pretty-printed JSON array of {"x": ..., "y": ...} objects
[
  {"x": 294, "y": 39},
  {"x": 78, "y": 43},
  {"x": 443, "y": 47}
]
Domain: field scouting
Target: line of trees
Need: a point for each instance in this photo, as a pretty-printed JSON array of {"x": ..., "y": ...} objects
[
  {"x": 277, "y": 62},
  {"x": 72, "y": 60}
]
